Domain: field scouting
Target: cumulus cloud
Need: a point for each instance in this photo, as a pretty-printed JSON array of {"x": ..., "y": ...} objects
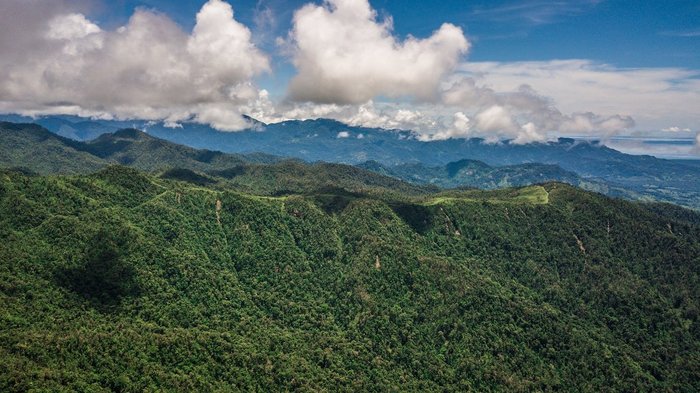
[
  {"x": 148, "y": 69},
  {"x": 70, "y": 27},
  {"x": 523, "y": 113},
  {"x": 652, "y": 96},
  {"x": 390, "y": 116},
  {"x": 387, "y": 116},
  {"x": 495, "y": 119},
  {"x": 350, "y": 67},
  {"x": 345, "y": 55},
  {"x": 346, "y": 58},
  {"x": 529, "y": 134},
  {"x": 460, "y": 127}
]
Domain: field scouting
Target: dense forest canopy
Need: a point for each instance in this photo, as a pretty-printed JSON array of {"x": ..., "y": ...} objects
[{"x": 126, "y": 281}]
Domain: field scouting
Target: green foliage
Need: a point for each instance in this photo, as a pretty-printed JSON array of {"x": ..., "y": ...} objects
[
  {"x": 22, "y": 144},
  {"x": 103, "y": 277},
  {"x": 125, "y": 281},
  {"x": 182, "y": 174}
]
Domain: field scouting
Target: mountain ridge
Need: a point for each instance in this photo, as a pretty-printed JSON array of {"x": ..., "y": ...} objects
[
  {"x": 123, "y": 280},
  {"x": 595, "y": 167}
]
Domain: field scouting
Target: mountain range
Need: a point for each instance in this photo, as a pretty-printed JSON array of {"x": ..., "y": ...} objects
[
  {"x": 400, "y": 154},
  {"x": 132, "y": 263}
]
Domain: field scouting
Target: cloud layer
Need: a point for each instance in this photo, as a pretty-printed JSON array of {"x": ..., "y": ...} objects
[
  {"x": 651, "y": 96},
  {"x": 350, "y": 66},
  {"x": 150, "y": 68},
  {"x": 523, "y": 114}
]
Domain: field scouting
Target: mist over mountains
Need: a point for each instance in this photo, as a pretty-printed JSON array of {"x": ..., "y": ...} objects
[{"x": 588, "y": 164}]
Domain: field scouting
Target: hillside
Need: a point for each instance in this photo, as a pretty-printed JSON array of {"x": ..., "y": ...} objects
[
  {"x": 34, "y": 149},
  {"x": 318, "y": 140},
  {"x": 20, "y": 144},
  {"x": 123, "y": 281},
  {"x": 475, "y": 174}
]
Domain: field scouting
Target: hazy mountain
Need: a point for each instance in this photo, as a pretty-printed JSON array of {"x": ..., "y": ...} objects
[
  {"x": 33, "y": 148},
  {"x": 607, "y": 170}
]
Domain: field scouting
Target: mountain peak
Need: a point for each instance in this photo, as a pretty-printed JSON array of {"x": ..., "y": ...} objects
[{"x": 130, "y": 133}]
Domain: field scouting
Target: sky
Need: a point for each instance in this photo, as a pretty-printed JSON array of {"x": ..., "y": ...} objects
[{"x": 525, "y": 70}]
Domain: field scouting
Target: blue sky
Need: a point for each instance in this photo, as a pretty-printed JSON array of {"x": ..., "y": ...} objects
[
  {"x": 624, "y": 33},
  {"x": 527, "y": 70}
]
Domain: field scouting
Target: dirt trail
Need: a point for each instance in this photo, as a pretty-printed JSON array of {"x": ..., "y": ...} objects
[{"x": 580, "y": 244}]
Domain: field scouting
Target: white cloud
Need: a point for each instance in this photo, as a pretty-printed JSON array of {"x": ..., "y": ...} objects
[
  {"x": 345, "y": 55},
  {"x": 351, "y": 67},
  {"x": 534, "y": 12},
  {"x": 70, "y": 27},
  {"x": 461, "y": 127},
  {"x": 223, "y": 47},
  {"x": 675, "y": 129},
  {"x": 392, "y": 116},
  {"x": 495, "y": 119},
  {"x": 652, "y": 96},
  {"x": 148, "y": 69},
  {"x": 343, "y": 134},
  {"x": 529, "y": 134},
  {"x": 522, "y": 112}
]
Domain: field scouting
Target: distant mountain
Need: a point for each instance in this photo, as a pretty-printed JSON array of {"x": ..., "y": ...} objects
[
  {"x": 332, "y": 141},
  {"x": 475, "y": 174},
  {"x": 35, "y": 149},
  {"x": 140, "y": 150},
  {"x": 690, "y": 163}
]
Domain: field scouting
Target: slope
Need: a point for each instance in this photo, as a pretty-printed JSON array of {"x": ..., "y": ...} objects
[
  {"x": 475, "y": 174},
  {"x": 124, "y": 281},
  {"x": 319, "y": 140},
  {"x": 33, "y": 148}
]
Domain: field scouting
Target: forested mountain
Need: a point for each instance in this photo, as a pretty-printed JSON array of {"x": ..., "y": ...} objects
[
  {"x": 476, "y": 174},
  {"x": 324, "y": 140},
  {"x": 20, "y": 144},
  {"x": 176, "y": 217},
  {"x": 123, "y": 281},
  {"x": 33, "y": 149}
]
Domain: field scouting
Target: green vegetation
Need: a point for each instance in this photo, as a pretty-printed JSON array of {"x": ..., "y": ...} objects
[
  {"x": 127, "y": 281},
  {"x": 476, "y": 174},
  {"x": 21, "y": 146},
  {"x": 33, "y": 149},
  {"x": 527, "y": 195}
]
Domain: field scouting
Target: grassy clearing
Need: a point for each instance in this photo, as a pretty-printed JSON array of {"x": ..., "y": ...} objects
[{"x": 535, "y": 195}]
